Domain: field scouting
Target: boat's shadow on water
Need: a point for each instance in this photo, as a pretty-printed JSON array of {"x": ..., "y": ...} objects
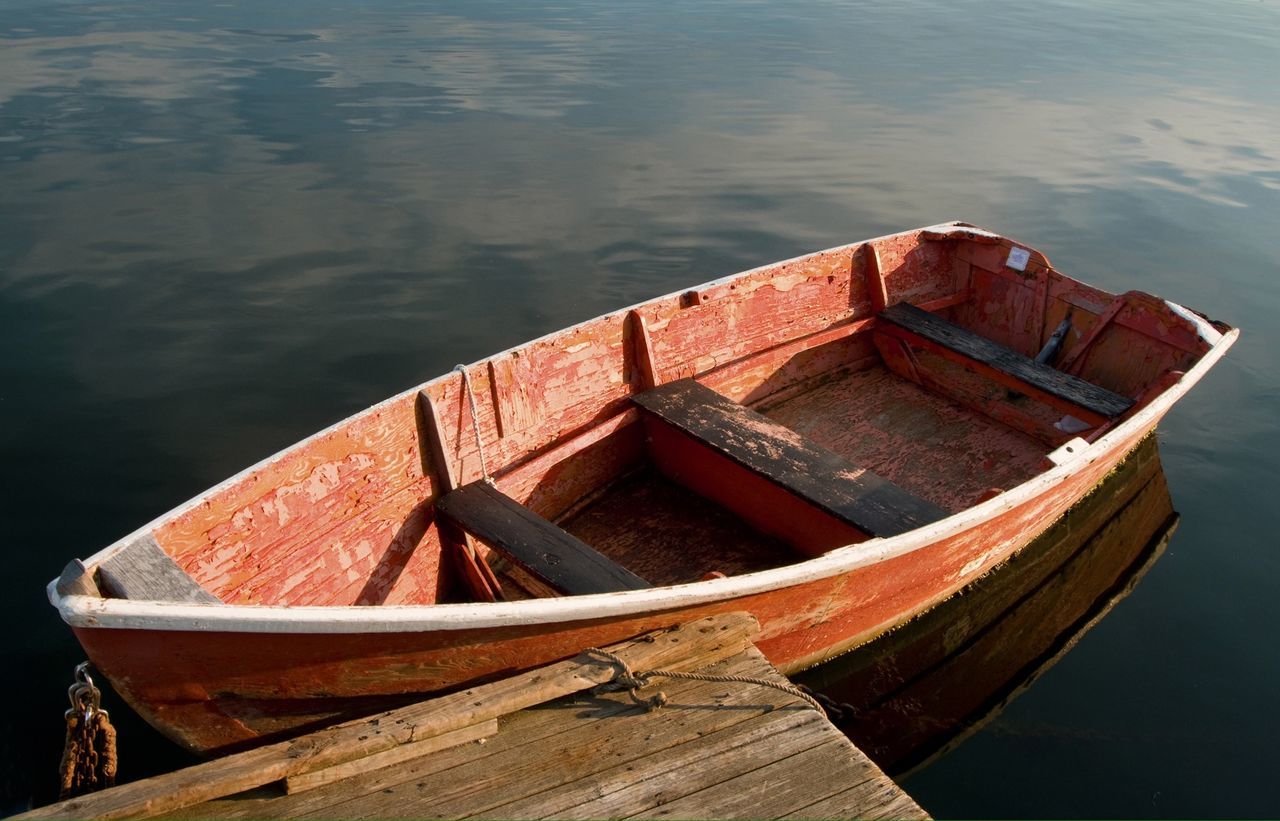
[{"x": 918, "y": 691}]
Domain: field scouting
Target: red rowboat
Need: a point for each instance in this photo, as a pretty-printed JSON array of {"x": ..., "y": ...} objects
[{"x": 833, "y": 443}]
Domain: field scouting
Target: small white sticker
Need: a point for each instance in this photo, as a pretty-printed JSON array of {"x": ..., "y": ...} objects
[{"x": 1018, "y": 258}]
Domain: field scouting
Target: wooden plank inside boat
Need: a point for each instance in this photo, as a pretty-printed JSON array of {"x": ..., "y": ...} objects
[
  {"x": 77, "y": 580},
  {"x": 559, "y": 559},
  {"x": 144, "y": 572},
  {"x": 852, "y": 494},
  {"x": 1036, "y": 376}
]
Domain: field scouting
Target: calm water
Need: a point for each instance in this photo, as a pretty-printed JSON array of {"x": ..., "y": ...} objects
[{"x": 224, "y": 225}]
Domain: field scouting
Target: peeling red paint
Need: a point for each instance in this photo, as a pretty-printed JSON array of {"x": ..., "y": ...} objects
[{"x": 346, "y": 518}]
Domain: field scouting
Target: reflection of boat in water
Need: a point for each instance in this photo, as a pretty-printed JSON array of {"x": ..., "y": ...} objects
[{"x": 919, "y": 690}]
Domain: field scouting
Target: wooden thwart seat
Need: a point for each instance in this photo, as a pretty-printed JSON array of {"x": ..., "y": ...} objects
[
  {"x": 142, "y": 571},
  {"x": 1062, "y": 390},
  {"x": 554, "y": 556},
  {"x": 856, "y": 496}
]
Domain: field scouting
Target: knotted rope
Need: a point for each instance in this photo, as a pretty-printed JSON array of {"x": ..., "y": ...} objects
[{"x": 633, "y": 681}]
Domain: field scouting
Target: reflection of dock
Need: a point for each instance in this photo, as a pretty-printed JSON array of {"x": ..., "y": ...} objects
[
  {"x": 921, "y": 689},
  {"x": 541, "y": 745}
]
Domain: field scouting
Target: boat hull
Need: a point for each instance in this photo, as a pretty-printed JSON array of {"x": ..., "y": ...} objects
[
  {"x": 214, "y": 691},
  {"x": 330, "y": 582}
]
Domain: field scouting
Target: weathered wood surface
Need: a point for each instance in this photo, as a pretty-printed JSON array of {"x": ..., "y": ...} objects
[
  {"x": 344, "y": 517},
  {"x": 921, "y": 441},
  {"x": 144, "y": 572},
  {"x": 716, "y": 750},
  {"x": 1003, "y": 628},
  {"x": 689, "y": 645},
  {"x": 232, "y": 688},
  {"x": 559, "y": 559},
  {"x": 852, "y": 494},
  {"x": 333, "y": 520},
  {"x": 520, "y": 734},
  {"x": 761, "y": 503},
  {"x": 918, "y": 645},
  {"x": 728, "y": 320},
  {"x": 396, "y": 755},
  {"x": 1074, "y": 356},
  {"x": 949, "y": 377},
  {"x": 76, "y": 580},
  {"x": 984, "y": 352},
  {"x": 668, "y": 534},
  {"x": 1142, "y": 340}
]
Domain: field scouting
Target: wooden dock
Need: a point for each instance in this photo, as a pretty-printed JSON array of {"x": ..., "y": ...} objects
[{"x": 549, "y": 743}]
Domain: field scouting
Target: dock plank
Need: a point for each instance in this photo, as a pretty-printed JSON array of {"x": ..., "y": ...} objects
[
  {"x": 716, "y": 749},
  {"x": 696, "y": 643},
  {"x": 540, "y": 725},
  {"x": 396, "y": 755},
  {"x": 872, "y": 799},
  {"x": 756, "y": 792},
  {"x": 719, "y": 765},
  {"x": 613, "y": 784},
  {"x": 579, "y": 753}
]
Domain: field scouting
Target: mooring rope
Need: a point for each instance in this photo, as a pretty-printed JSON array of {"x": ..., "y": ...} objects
[
  {"x": 838, "y": 712},
  {"x": 475, "y": 419},
  {"x": 633, "y": 681}
]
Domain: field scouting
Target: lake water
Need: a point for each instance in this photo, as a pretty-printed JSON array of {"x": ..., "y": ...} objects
[{"x": 224, "y": 225}]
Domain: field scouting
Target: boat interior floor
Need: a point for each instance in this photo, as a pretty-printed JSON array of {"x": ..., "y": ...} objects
[
  {"x": 668, "y": 534},
  {"x": 930, "y": 446},
  {"x": 923, "y": 442}
]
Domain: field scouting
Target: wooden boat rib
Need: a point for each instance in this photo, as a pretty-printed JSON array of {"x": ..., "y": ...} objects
[{"x": 832, "y": 443}]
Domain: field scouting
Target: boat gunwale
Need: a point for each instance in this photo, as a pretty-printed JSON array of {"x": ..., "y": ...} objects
[{"x": 94, "y": 612}]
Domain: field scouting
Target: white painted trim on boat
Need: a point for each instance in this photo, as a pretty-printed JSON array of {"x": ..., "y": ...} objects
[
  {"x": 118, "y": 545},
  {"x": 1207, "y": 332},
  {"x": 961, "y": 231},
  {"x": 92, "y": 612},
  {"x": 1067, "y": 451}
]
